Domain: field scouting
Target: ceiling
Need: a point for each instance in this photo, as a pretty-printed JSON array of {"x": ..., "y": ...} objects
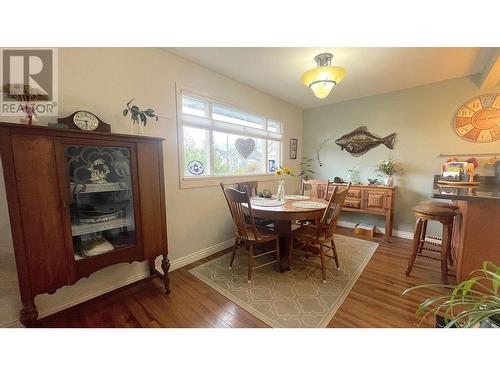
[{"x": 370, "y": 71}]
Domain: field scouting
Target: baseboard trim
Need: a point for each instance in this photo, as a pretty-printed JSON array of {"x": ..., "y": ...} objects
[
  {"x": 188, "y": 259},
  {"x": 395, "y": 232},
  {"x": 178, "y": 263}
]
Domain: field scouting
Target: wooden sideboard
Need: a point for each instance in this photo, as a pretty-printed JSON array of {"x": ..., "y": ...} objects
[
  {"x": 78, "y": 202},
  {"x": 373, "y": 200}
]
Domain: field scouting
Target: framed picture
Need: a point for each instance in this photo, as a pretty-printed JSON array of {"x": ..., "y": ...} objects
[
  {"x": 272, "y": 166},
  {"x": 293, "y": 148}
]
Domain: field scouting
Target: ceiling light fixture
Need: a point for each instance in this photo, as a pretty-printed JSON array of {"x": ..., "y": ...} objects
[{"x": 322, "y": 78}]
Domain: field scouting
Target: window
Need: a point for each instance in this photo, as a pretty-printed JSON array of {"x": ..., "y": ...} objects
[{"x": 220, "y": 140}]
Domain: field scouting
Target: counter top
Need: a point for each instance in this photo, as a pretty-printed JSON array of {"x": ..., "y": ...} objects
[{"x": 487, "y": 190}]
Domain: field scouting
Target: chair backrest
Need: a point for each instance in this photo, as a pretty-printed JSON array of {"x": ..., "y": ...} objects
[
  {"x": 314, "y": 188},
  {"x": 329, "y": 189},
  {"x": 332, "y": 212},
  {"x": 235, "y": 200},
  {"x": 251, "y": 187}
]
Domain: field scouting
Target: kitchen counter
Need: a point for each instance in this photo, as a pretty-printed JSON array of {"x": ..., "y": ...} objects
[
  {"x": 477, "y": 227},
  {"x": 487, "y": 190}
]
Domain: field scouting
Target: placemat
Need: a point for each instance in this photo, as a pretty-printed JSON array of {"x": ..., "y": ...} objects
[
  {"x": 264, "y": 202},
  {"x": 308, "y": 204},
  {"x": 297, "y": 197}
]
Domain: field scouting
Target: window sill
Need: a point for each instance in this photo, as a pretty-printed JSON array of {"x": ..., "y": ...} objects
[{"x": 197, "y": 182}]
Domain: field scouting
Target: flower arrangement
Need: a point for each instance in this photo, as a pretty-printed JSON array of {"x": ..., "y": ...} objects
[
  {"x": 283, "y": 171},
  {"x": 26, "y": 95},
  {"x": 389, "y": 167}
]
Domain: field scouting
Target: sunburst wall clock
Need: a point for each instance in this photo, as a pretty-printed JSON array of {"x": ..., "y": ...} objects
[{"x": 478, "y": 120}]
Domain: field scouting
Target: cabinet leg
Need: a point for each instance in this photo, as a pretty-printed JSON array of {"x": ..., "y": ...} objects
[
  {"x": 165, "y": 266},
  {"x": 152, "y": 268},
  {"x": 29, "y": 314}
]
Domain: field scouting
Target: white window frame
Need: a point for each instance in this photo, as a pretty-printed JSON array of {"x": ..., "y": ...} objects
[{"x": 213, "y": 180}]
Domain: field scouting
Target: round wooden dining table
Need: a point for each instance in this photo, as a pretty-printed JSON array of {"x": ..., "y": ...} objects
[{"x": 283, "y": 216}]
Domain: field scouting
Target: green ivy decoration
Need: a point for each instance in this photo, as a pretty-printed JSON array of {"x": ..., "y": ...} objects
[{"x": 137, "y": 115}]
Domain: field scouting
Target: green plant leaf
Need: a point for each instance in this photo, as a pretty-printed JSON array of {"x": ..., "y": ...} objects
[
  {"x": 135, "y": 117},
  {"x": 143, "y": 117}
]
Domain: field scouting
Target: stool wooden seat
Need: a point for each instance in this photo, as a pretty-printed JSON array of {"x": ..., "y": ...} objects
[
  {"x": 451, "y": 206},
  {"x": 443, "y": 213}
]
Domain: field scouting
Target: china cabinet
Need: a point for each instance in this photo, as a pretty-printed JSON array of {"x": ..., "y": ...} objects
[{"x": 78, "y": 202}]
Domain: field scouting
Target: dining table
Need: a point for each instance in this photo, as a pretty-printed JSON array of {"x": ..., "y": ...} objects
[{"x": 283, "y": 216}]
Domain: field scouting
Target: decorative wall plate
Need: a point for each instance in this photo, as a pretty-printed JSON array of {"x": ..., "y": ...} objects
[
  {"x": 478, "y": 120},
  {"x": 195, "y": 167}
]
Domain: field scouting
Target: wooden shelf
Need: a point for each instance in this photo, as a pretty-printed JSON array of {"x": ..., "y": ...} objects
[
  {"x": 98, "y": 188},
  {"x": 80, "y": 229}
]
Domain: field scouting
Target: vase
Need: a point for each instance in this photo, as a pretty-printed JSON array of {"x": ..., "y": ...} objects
[
  {"x": 281, "y": 190},
  {"x": 136, "y": 129},
  {"x": 388, "y": 181},
  {"x": 352, "y": 176}
]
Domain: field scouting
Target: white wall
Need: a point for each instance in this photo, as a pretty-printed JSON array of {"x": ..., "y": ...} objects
[{"x": 102, "y": 80}]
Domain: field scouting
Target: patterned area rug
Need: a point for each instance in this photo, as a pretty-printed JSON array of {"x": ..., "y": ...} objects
[{"x": 292, "y": 299}]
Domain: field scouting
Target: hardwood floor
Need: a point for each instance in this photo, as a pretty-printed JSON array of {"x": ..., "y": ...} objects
[{"x": 374, "y": 301}]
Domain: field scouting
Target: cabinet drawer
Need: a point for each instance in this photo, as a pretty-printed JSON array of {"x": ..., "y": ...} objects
[
  {"x": 352, "y": 203},
  {"x": 354, "y": 193},
  {"x": 375, "y": 200}
]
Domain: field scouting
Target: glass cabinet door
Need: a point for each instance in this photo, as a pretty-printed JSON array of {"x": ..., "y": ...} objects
[{"x": 101, "y": 199}]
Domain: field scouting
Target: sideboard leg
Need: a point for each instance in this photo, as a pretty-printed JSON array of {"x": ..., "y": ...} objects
[
  {"x": 389, "y": 219},
  {"x": 29, "y": 314},
  {"x": 165, "y": 266}
]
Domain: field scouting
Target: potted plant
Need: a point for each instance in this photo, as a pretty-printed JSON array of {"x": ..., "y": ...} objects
[
  {"x": 306, "y": 168},
  {"x": 388, "y": 168},
  {"x": 474, "y": 302},
  {"x": 139, "y": 117}
]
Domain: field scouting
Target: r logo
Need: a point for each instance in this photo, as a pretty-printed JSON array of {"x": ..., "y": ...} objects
[{"x": 28, "y": 81}]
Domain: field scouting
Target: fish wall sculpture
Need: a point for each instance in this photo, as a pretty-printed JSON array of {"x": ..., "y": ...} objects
[{"x": 360, "y": 140}]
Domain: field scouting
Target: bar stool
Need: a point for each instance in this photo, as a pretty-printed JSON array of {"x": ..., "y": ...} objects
[
  {"x": 451, "y": 206},
  {"x": 438, "y": 211}
]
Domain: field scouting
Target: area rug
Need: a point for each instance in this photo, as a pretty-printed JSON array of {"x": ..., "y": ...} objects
[{"x": 293, "y": 299}]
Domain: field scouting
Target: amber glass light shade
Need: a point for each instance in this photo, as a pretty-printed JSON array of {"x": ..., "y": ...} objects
[{"x": 324, "y": 77}]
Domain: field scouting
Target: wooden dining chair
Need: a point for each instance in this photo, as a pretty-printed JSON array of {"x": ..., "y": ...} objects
[
  {"x": 330, "y": 187},
  {"x": 251, "y": 187},
  {"x": 314, "y": 188},
  {"x": 252, "y": 191},
  {"x": 248, "y": 233},
  {"x": 321, "y": 234}
]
